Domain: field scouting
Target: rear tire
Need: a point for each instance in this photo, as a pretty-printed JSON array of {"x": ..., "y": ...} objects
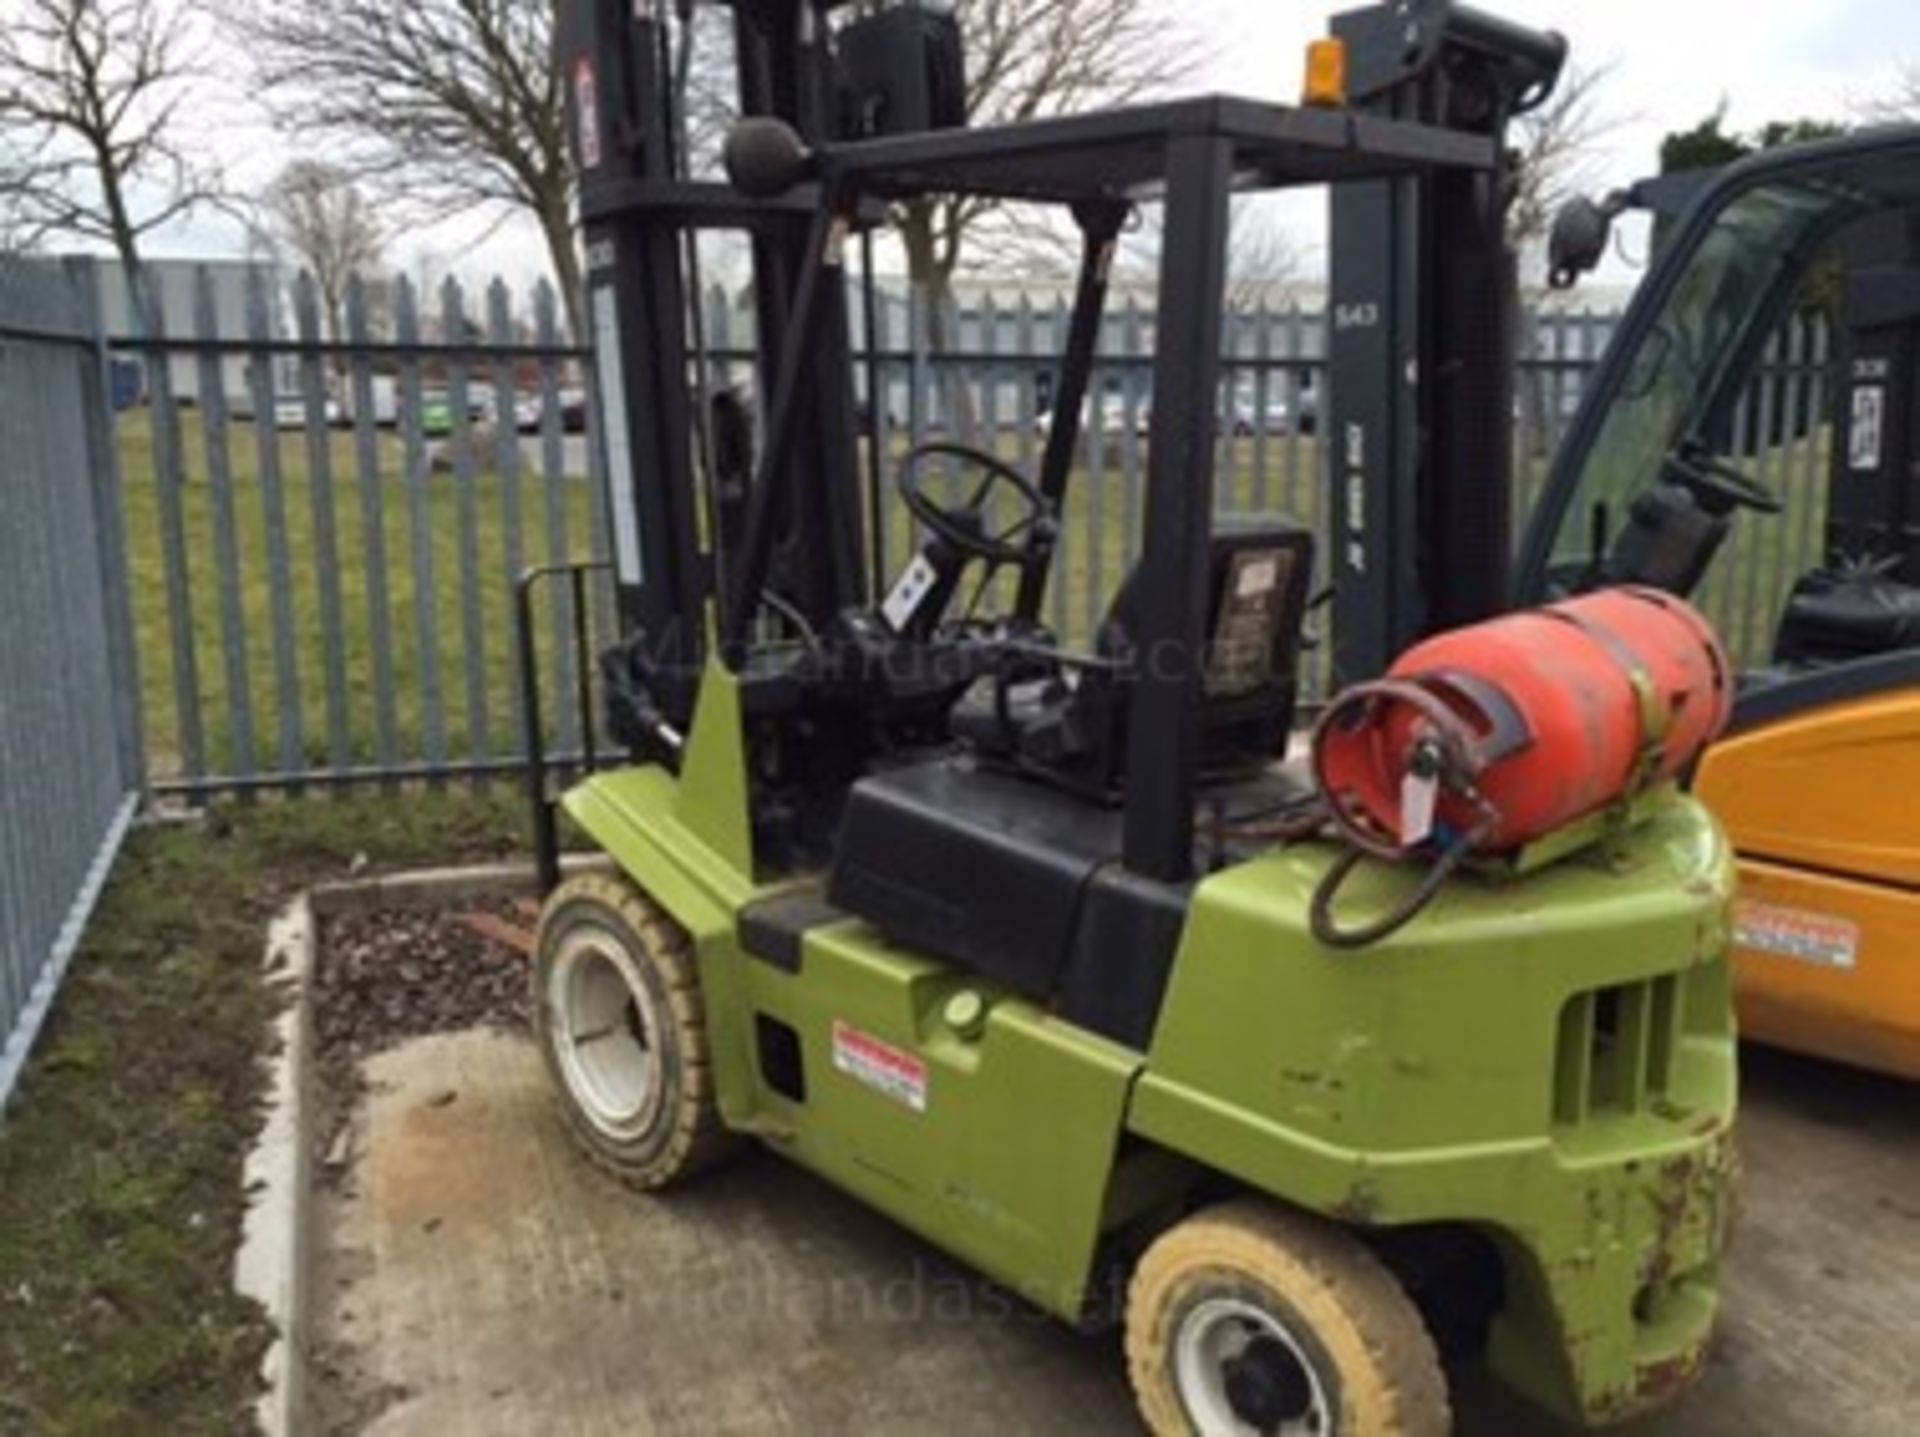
[
  {"x": 617, "y": 1013},
  {"x": 1249, "y": 1318}
]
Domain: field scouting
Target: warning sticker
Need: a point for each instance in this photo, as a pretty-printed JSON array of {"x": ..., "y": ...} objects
[
  {"x": 1864, "y": 434},
  {"x": 890, "y": 1071},
  {"x": 1816, "y": 938},
  {"x": 916, "y": 582},
  {"x": 586, "y": 104}
]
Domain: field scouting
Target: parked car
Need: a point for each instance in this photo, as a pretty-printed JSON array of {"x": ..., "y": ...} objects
[
  {"x": 290, "y": 411},
  {"x": 436, "y": 416},
  {"x": 436, "y": 412},
  {"x": 384, "y": 392},
  {"x": 127, "y": 382},
  {"x": 1113, "y": 417},
  {"x": 1285, "y": 411}
]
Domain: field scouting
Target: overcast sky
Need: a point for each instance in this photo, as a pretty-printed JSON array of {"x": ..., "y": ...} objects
[{"x": 1675, "y": 62}]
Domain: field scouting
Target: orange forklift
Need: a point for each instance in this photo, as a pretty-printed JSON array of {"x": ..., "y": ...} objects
[{"x": 1818, "y": 779}]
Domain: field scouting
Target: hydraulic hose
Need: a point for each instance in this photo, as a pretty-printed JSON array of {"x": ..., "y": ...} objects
[{"x": 1328, "y": 930}]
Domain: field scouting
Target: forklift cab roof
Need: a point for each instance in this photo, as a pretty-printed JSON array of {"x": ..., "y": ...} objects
[{"x": 1123, "y": 153}]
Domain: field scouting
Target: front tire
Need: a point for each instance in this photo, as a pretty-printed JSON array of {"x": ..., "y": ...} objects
[
  {"x": 1247, "y": 1318},
  {"x": 617, "y": 1014}
]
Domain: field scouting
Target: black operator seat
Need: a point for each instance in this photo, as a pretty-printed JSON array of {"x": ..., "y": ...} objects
[
  {"x": 986, "y": 858},
  {"x": 1835, "y": 616}
]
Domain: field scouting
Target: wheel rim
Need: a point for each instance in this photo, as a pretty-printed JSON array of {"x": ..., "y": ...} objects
[
  {"x": 606, "y": 1033},
  {"x": 1239, "y": 1370}
]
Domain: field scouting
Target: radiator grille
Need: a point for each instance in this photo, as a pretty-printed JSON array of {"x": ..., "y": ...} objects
[{"x": 1616, "y": 1048}]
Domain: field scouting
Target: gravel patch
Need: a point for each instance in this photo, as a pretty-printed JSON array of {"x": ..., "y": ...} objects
[
  {"x": 396, "y": 974},
  {"x": 384, "y": 977}
]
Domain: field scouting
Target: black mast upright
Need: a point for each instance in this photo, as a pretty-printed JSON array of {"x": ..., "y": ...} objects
[{"x": 1419, "y": 433}]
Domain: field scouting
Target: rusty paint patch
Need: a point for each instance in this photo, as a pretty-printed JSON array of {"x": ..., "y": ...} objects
[{"x": 1659, "y": 1383}]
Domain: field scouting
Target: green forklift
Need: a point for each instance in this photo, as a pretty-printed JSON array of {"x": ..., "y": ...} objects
[{"x": 1014, "y": 942}]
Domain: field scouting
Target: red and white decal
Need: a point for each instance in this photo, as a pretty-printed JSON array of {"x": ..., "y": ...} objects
[
  {"x": 586, "y": 104},
  {"x": 1807, "y": 937},
  {"x": 892, "y": 1072}
]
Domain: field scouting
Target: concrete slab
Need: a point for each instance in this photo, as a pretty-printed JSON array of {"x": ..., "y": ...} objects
[{"x": 477, "y": 1276}]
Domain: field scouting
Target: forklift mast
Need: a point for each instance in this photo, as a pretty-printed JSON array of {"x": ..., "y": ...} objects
[
  {"x": 641, "y": 214},
  {"x": 1423, "y": 313}
]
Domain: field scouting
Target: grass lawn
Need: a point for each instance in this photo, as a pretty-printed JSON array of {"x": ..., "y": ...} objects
[{"x": 120, "y": 1154}]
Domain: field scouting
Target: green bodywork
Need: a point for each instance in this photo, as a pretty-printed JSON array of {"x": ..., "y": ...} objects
[{"x": 1547, "y": 1060}]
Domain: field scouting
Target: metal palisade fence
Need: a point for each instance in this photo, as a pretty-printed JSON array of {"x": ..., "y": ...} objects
[
  {"x": 70, "y": 747},
  {"x": 327, "y": 512}
]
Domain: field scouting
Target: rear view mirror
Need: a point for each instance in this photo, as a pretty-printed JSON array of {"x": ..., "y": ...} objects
[{"x": 1579, "y": 238}]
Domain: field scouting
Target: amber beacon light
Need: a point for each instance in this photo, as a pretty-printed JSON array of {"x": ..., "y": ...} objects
[{"x": 1326, "y": 82}]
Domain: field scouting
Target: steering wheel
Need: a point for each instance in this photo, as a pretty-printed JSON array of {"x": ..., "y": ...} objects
[
  {"x": 1025, "y": 542},
  {"x": 1718, "y": 481}
]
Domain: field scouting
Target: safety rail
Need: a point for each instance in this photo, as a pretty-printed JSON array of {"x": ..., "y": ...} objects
[{"x": 546, "y": 829}]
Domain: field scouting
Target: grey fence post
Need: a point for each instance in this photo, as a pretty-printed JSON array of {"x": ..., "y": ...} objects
[
  {"x": 170, "y": 480},
  {"x": 1263, "y": 405},
  {"x": 506, "y": 424},
  {"x": 373, "y": 529},
  {"x": 326, "y": 542},
  {"x": 473, "y": 634},
  {"x": 226, "y": 541},
  {"x": 262, "y": 387},
  {"x": 1132, "y": 418},
  {"x": 426, "y": 629},
  {"x": 103, "y": 452}
]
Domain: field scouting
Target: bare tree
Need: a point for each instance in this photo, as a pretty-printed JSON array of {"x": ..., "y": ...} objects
[
  {"x": 1554, "y": 149},
  {"x": 1027, "y": 59},
  {"x": 447, "y": 106},
  {"x": 1263, "y": 255},
  {"x": 1897, "y": 101},
  {"x": 317, "y": 213},
  {"x": 91, "y": 96},
  {"x": 16, "y": 229}
]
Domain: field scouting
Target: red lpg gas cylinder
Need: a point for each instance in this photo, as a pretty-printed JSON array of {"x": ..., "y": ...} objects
[{"x": 1497, "y": 734}]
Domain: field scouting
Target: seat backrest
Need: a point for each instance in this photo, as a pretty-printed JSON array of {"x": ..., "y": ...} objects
[{"x": 1258, "y": 579}]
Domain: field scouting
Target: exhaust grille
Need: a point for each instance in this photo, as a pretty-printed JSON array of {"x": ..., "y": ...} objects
[{"x": 1615, "y": 1051}]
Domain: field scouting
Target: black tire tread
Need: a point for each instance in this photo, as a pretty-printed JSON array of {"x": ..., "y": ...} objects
[
  {"x": 699, "y": 1138},
  {"x": 1395, "y": 1389}
]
